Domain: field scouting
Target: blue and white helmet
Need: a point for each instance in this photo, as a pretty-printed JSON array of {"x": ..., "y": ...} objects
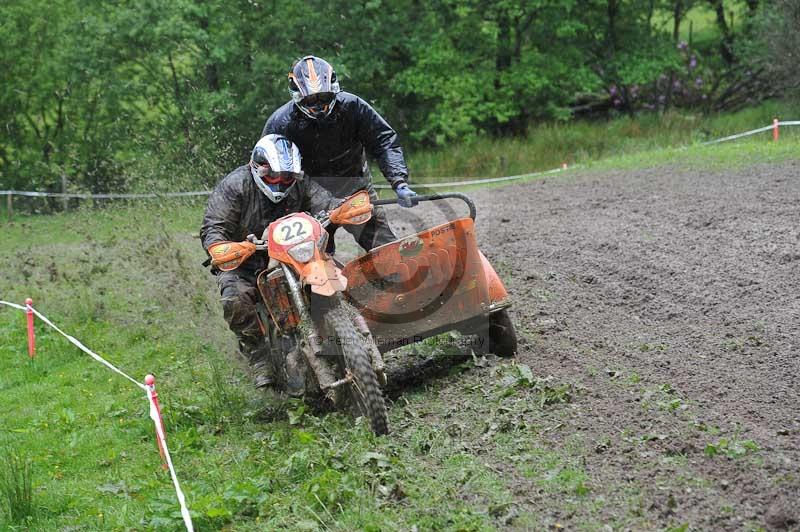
[{"x": 275, "y": 166}]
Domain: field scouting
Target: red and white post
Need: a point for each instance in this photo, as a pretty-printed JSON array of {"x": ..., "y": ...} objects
[
  {"x": 775, "y": 129},
  {"x": 31, "y": 332},
  {"x": 155, "y": 413}
]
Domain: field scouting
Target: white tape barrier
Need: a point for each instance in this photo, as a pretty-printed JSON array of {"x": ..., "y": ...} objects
[
  {"x": 156, "y": 417},
  {"x": 739, "y": 135},
  {"x": 378, "y": 186},
  {"x": 103, "y": 196},
  {"x": 478, "y": 181},
  {"x": 752, "y": 132},
  {"x": 153, "y": 411}
]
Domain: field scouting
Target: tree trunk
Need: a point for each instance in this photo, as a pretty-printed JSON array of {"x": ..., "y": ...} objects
[
  {"x": 726, "y": 46},
  {"x": 612, "y": 11},
  {"x": 212, "y": 71},
  {"x": 677, "y": 15},
  {"x": 502, "y": 62}
]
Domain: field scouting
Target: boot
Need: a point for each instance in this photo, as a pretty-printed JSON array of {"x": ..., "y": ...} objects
[
  {"x": 256, "y": 353},
  {"x": 262, "y": 374}
]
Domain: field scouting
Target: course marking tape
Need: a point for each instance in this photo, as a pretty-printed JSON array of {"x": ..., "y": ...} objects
[{"x": 153, "y": 412}]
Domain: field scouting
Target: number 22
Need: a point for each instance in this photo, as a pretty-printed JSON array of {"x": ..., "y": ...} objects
[{"x": 287, "y": 231}]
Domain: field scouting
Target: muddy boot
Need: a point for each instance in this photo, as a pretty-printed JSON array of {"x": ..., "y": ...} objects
[
  {"x": 262, "y": 374},
  {"x": 260, "y": 367}
]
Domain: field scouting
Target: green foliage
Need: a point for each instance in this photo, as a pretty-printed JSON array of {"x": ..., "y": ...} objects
[{"x": 158, "y": 95}]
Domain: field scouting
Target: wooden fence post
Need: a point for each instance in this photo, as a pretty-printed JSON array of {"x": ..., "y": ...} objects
[{"x": 10, "y": 205}]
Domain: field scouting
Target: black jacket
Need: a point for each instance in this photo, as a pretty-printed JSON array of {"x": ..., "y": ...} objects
[
  {"x": 334, "y": 147},
  {"x": 237, "y": 208}
]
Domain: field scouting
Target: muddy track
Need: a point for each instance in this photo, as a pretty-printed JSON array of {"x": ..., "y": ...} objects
[{"x": 670, "y": 298}]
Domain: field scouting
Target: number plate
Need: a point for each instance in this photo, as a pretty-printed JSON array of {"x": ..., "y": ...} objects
[{"x": 292, "y": 230}]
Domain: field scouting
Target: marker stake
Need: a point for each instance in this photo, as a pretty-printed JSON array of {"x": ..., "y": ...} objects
[{"x": 31, "y": 332}]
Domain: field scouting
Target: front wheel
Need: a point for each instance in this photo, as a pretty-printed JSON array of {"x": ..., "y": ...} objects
[{"x": 365, "y": 393}]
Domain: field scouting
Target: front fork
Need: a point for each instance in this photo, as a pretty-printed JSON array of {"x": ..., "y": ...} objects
[{"x": 309, "y": 338}]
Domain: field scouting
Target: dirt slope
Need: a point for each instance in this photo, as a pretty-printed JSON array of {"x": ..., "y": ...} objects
[{"x": 670, "y": 298}]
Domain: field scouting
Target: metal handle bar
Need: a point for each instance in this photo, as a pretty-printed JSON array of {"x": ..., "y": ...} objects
[{"x": 434, "y": 197}]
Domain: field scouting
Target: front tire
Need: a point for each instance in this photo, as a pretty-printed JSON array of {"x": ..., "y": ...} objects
[{"x": 365, "y": 392}]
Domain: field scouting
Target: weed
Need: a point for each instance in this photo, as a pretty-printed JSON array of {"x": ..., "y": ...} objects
[
  {"x": 739, "y": 345},
  {"x": 732, "y": 448},
  {"x": 520, "y": 376},
  {"x": 16, "y": 480},
  {"x": 735, "y": 345},
  {"x": 646, "y": 347}
]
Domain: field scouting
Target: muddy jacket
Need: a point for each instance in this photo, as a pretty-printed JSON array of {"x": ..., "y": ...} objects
[
  {"x": 334, "y": 148},
  {"x": 238, "y": 208}
]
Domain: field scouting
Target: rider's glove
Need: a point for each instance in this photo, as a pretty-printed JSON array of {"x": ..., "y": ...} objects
[
  {"x": 404, "y": 195},
  {"x": 228, "y": 256}
]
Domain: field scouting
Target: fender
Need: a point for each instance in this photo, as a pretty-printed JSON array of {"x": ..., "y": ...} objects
[
  {"x": 323, "y": 276},
  {"x": 497, "y": 290}
]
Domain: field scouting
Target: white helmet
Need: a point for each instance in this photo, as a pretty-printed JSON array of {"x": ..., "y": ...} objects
[{"x": 275, "y": 166}]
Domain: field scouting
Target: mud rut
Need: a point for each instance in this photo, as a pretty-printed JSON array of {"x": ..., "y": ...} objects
[{"x": 665, "y": 284}]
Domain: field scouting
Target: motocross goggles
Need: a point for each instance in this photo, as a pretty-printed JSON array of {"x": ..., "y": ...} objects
[
  {"x": 319, "y": 103},
  {"x": 271, "y": 177}
]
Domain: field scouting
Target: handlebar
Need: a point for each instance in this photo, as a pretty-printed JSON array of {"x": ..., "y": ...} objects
[{"x": 434, "y": 197}]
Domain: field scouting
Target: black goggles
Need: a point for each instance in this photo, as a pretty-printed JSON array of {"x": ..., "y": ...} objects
[{"x": 319, "y": 99}]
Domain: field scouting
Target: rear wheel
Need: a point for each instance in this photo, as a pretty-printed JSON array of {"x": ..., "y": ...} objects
[
  {"x": 365, "y": 393},
  {"x": 502, "y": 336}
]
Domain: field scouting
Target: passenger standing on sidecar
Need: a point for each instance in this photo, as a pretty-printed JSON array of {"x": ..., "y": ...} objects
[
  {"x": 245, "y": 202},
  {"x": 334, "y": 131}
]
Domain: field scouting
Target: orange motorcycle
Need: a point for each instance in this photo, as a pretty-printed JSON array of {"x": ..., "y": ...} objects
[
  {"x": 329, "y": 325},
  {"x": 320, "y": 346}
]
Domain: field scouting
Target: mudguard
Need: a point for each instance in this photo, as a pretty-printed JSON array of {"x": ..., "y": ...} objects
[
  {"x": 323, "y": 276},
  {"x": 497, "y": 290}
]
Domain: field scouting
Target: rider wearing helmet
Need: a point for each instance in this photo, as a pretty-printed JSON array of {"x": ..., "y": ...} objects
[
  {"x": 335, "y": 130},
  {"x": 245, "y": 202}
]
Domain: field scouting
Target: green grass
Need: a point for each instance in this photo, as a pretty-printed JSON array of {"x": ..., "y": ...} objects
[{"x": 582, "y": 142}]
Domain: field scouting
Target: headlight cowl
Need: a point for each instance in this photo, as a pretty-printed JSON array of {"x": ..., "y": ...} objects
[{"x": 302, "y": 252}]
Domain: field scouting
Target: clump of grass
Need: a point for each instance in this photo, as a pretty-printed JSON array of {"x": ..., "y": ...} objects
[
  {"x": 16, "y": 493},
  {"x": 225, "y": 400}
]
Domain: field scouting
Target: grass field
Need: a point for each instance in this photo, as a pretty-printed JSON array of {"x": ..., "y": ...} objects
[
  {"x": 126, "y": 281},
  {"x": 548, "y": 146}
]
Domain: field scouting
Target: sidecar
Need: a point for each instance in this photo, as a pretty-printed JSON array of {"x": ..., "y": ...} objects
[{"x": 429, "y": 283}]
